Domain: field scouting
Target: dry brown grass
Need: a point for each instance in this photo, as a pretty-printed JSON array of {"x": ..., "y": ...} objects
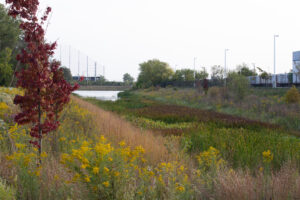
[
  {"x": 56, "y": 182},
  {"x": 282, "y": 185},
  {"x": 117, "y": 129}
]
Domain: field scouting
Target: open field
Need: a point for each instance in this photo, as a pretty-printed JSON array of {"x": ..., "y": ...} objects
[
  {"x": 262, "y": 104},
  {"x": 142, "y": 148}
]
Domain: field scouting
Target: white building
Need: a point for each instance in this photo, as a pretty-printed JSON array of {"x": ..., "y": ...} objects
[{"x": 296, "y": 66}]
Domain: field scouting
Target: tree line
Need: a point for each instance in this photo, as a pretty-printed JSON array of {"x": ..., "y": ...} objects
[{"x": 157, "y": 73}]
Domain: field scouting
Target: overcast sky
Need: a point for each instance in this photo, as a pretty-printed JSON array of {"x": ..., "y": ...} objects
[{"x": 120, "y": 34}]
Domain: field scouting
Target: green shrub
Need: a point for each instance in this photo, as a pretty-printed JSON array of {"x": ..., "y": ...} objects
[
  {"x": 292, "y": 95},
  {"x": 6, "y": 192},
  {"x": 213, "y": 92},
  {"x": 238, "y": 85}
]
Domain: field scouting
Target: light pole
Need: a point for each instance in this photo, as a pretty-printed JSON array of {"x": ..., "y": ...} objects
[
  {"x": 195, "y": 72},
  {"x": 274, "y": 81},
  {"x": 225, "y": 65}
]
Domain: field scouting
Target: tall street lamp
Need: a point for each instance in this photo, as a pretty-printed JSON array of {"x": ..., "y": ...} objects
[
  {"x": 274, "y": 81},
  {"x": 195, "y": 72},
  {"x": 225, "y": 65}
]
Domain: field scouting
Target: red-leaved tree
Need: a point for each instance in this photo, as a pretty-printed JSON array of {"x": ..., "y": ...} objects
[{"x": 46, "y": 91}]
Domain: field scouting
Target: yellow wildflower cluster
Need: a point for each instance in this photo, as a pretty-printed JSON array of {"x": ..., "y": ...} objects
[
  {"x": 100, "y": 166},
  {"x": 12, "y": 91},
  {"x": 267, "y": 156},
  {"x": 210, "y": 159},
  {"x": 4, "y": 109}
]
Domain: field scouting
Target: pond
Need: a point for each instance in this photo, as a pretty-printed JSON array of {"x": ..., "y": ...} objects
[{"x": 101, "y": 95}]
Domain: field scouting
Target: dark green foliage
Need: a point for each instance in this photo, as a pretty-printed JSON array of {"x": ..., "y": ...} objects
[
  {"x": 154, "y": 73},
  {"x": 238, "y": 84},
  {"x": 6, "y": 71},
  {"x": 11, "y": 36},
  {"x": 184, "y": 75},
  {"x": 244, "y": 70},
  {"x": 128, "y": 79},
  {"x": 9, "y": 30},
  {"x": 201, "y": 75},
  {"x": 67, "y": 74}
]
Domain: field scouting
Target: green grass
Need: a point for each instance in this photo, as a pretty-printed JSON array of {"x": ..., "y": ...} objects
[
  {"x": 263, "y": 104},
  {"x": 243, "y": 147},
  {"x": 6, "y": 192},
  {"x": 240, "y": 141}
]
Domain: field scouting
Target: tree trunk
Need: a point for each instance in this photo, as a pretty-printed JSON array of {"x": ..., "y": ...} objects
[{"x": 40, "y": 131}]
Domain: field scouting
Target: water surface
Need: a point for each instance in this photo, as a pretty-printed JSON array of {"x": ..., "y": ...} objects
[{"x": 102, "y": 95}]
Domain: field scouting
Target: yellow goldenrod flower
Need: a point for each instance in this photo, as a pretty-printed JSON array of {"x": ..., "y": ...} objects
[
  {"x": 106, "y": 183},
  {"x": 44, "y": 155},
  {"x": 261, "y": 169},
  {"x": 20, "y": 146},
  {"x": 83, "y": 166},
  {"x": 181, "y": 168},
  {"x": 180, "y": 188},
  {"x": 267, "y": 156},
  {"x": 106, "y": 169},
  {"x": 96, "y": 170},
  {"x": 87, "y": 179},
  {"x": 56, "y": 177},
  {"x": 122, "y": 143},
  {"x": 117, "y": 174}
]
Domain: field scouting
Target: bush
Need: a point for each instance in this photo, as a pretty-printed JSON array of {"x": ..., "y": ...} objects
[
  {"x": 292, "y": 96},
  {"x": 238, "y": 84},
  {"x": 213, "y": 92}
]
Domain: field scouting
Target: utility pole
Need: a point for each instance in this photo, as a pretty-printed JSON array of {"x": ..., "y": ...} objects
[
  {"x": 95, "y": 71},
  {"x": 253, "y": 67},
  {"x": 104, "y": 71},
  {"x": 195, "y": 72},
  {"x": 78, "y": 65},
  {"x": 275, "y": 81},
  {"x": 70, "y": 57},
  {"x": 60, "y": 55},
  {"x": 87, "y": 69}
]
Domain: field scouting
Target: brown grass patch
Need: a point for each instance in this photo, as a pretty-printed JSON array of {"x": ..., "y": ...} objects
[{"x": 117, "y": 129}]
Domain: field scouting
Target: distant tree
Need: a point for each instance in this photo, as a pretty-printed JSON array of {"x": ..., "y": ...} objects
[
  {"x": 128, "y": 79},
  {"x": 244, "y": 70},
  {"x": 67, "y": 74},
  {"x": 6, "y": 71},
  {"x": 201, "y": 75},
  {"x": 188, "y": 75},
  {"x": 153, "y": 73},
  {"x": 264, "y": 75},
  {"x": 184, "y": 75},
  {"x": 217, "y": 72},
  {"x": 238, "y": 84},
  {"x": 10, "y": 32},
  {"x": 11, "y": 37}
]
